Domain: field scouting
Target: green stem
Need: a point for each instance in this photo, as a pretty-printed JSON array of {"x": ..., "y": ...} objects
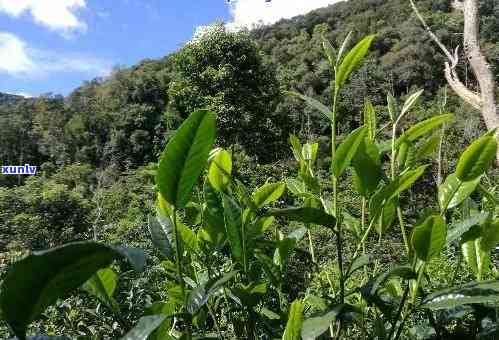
[
  {"x": 392, "y": 172},
  {"x": 178, "y": 247},
  {"x": 311, "y": 244},
  {"x": 402, "y": 230}
]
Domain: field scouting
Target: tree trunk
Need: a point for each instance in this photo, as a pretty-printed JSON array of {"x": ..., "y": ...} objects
[
  {"x": 485, "y": 101},
  {"x": 480, "y": 66}
]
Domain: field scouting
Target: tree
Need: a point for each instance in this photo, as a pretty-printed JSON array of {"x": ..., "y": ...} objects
[
  {"x": 485, "y": 100},
  {"x": 225, "y": 72}
]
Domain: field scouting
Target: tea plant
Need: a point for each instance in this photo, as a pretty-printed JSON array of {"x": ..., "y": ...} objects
[{"x": 225, "y": 256}]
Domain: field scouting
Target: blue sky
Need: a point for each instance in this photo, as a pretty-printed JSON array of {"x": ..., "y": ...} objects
[{"x": 55, "y": 45}]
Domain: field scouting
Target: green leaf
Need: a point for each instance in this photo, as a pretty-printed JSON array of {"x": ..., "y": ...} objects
[
  {"x": 428, "y": 147},
  {"x": 359, "y": 262},
  {"x": 295, "y": 321},
  {"x": 102, "y": 285},
  {"x": 394, "y": 189},
  {"x": 145, "y": 326},
  {"x": 309, "y": 152},
  {"x": 367, "y": 166},
  {"x": 200, "y": 295},
  {"x": 490, "y": 235},
  {"x": 387, "y": 216},
  {"x": 185, "y": 156},
  {"x": 314, "y": 103},
  {"x": 269, "y": 267},
  {"x": 314, "y": 327},
  {"x": 347, "y": 150},
  {"x": 330, "y": 51},
  {"x": 233, "y": 221},
  {"x": 188, "y": 236},
  {"x": 38, "y": 280},
  {"x": 422, "y": 128},
  {"x": 161, "y": 230},
  {"x": 404, "y": 272},
  {"x": 471, "y": 252},
  {"x": 429, "y": 237},
  {"x": 296, "y": 148},
  {"x": 486, "y": 292},
  {"x": 220, "y": 170},
  {"x": 370, "y": 120},
  {"x": 167, "y": 309},
  {"x": 477, "y": 158},
  {"x": 214, "y": 211},
  {"x": 458, "y": 229},
  {"x": 343, "y": 47},
  {"x": 410, "y": 101},
  {"x": 305, "y": 215},
  {"x": 268, "y": 193},
  {"x": 296, "y": 186},
  {"x": 351, "y": 61},
  {"x": 453, "y": 192},
  {"x": 392, "y": 107}
]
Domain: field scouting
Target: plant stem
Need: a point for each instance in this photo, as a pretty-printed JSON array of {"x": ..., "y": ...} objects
[
  {"x": 339, "y": 246},
  {"x": 392, "y": 171},
  {"x": 402, "y": 230},
  {"x": 178, "y": 247},
  {"x": 311, "y": 244},
  {"x": 399, "y": 310}
]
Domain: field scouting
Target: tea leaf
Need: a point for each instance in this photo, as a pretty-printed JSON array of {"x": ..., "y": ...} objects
[
  {"x": 145, "y": 326},
  {"x": 185, "y": 156},
  {"x": 38, "y": 280},
  {"x": 470, "y": 293},
  {"x": 220, "y": 170},
  {"x": 346, "y": 151},
  {"x": 295, "y": 321},
  {"x": 314, "y": 103},
  {"x": 268, "y": 193},
  {"x": 429, "y": 237},
  {"x": 351, "y": 61},
  {"x": 477, "y": 158}
]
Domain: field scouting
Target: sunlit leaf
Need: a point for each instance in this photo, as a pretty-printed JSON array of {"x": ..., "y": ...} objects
[
  {"x": 470, "y": 293},
  {"x": 220, "y": 170},
  {"x": 102, "y": 286},
  {"x": 268, "y": 193},
  {"x": 346, "y": 151},
  {"x": 185, "y": 157},
  {"x": 352, "y": 60},
  {"x": 145, "y": 326},
  {"x": 37, "y": 281},
  {"x": 428, "y": 238},
  {"x": 477, "y": 158},
  {"x": 295, "y": 321},
  {"x": 453, "y": 192},
  {"x": 410, "y": 101}
]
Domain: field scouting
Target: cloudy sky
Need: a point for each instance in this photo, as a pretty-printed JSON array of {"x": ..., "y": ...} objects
[{"x": 55, "y": 45}]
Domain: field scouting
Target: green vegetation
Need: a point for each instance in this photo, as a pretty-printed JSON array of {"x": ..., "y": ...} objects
[{"x": 170, "y": 205}]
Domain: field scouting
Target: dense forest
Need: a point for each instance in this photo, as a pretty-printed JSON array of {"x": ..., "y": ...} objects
[{"x": 97, "y": 152}]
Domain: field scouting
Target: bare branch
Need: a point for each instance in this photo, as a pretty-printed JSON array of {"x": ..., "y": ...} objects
[{"x": 450, "y": 67}]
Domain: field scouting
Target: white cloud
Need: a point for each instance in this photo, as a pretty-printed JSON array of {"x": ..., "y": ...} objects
[
  {"x": 13, "y": 55},
  {"x": 19, "y": 60},
  {"x": 22, "y": 94},
  {"x": 58, "y": 15},
  {"x": 249, "y": 13}
]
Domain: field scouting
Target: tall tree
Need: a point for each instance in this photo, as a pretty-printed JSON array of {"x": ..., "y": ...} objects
[{"x": 485, "y": 100}]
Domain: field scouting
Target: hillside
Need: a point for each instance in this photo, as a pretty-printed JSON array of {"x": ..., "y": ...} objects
[
  {"x": 403, "y": 58},
  {"x": 7, "y": 99}
]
